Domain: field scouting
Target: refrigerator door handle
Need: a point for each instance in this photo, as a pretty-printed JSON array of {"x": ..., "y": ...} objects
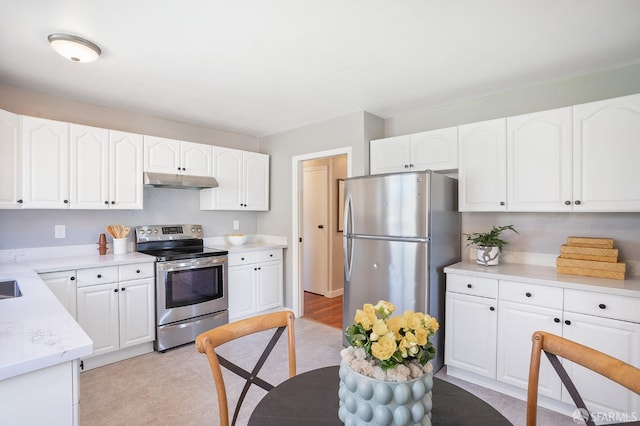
[
  {"x": 391, "y": 238},
  {"x": 347, "y": 243}
]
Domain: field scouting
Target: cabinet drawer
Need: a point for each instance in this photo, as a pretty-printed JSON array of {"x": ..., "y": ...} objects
[
  {"x": 236, "y": 259},
  {"x": 484, "y": 287},
  {"x": 603, "y": 305},
  {"x": 101, "y": 275},
  {"x": 531, "y": 294},
  {"x": 136, "y": 271},
  {"x": 268, "y": 255}
]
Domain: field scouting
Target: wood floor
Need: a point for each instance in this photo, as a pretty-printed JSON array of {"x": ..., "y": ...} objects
[{"x": 323, "y": 309}]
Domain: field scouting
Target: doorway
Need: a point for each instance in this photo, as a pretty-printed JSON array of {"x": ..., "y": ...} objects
[{"x": 318, "y": 266}]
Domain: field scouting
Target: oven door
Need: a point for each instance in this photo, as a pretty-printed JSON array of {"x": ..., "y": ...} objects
[{"x": 190, "y": 288}]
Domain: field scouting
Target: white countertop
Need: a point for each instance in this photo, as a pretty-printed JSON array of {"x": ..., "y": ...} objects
[
  {"x": 254, "y": 243},
  {"x": 36, "y": 331},
  {"x": 547, "y": 275},
  {"x": 56, "y": 264}
]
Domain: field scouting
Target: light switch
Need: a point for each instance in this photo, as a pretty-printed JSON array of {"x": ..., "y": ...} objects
[
  {"x": 60, "y": 231},
  {"x": 236, "y": 225}
]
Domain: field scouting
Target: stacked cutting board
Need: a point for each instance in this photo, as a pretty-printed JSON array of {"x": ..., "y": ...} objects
[{"x": 591, "y": 257}]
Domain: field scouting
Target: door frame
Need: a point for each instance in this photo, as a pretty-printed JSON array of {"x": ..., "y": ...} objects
[{"x": 296, "y": 184}]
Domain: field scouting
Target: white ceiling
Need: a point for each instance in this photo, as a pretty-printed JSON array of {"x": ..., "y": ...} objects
[{"x": 260, "y": 67}]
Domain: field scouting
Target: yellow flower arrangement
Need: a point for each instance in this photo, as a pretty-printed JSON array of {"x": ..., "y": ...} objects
[{"x": 392, "y": 340}]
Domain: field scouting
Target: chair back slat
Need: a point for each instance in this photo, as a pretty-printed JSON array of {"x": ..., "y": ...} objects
[
  {"x": 555, "y": 346},
  {"x": 207, "y": 342}
]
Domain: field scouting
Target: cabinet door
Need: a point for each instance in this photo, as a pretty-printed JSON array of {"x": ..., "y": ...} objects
[
  {"x": 161, "y": 155},
  {"x": 126, "y": 165},
  {"x": 620, "y": 339},
  {"x": 256, "y": 181},
  {"x": 435, "y": 149},
  {"x": 89, "y": 167},
  {"x": 45, "y": 163},
  {"x": 196, "y": 159},
  {"x": 242, "y": 291},
  {"x": 539, "y": 162},
  {"x": 136, "y": 312},
  {"x": 10, "y": 167},
  {"x": 390, "y": 155},
  {"x": 98, "y": 315},
  {"x": 471, "y": 333},
  {"x": 605, "y": 155},
  {"x": 63, "y": 286},
  {"x": 227, "y": 164},
  {"x": 482, "y": 171},
  {"x": 269, "y": 285},
  {"x": 516, "y": 323}
]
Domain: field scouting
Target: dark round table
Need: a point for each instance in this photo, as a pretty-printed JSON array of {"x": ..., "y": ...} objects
[{"x": 311, "y": 398}]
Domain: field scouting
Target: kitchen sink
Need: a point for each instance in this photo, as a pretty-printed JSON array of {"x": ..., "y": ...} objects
[{"x": 9, "y": 289}]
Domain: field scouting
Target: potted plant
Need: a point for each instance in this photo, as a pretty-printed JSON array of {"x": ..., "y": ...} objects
[
  {"x": 388, "y": 357},
  {"x": 489, "y": 245}
]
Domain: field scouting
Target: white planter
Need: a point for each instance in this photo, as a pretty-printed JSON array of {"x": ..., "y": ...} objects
[
  {"x": 487, "y": 255},
  {"x": 367, "y": 401}
]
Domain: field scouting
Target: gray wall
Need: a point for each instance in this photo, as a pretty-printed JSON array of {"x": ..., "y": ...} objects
[
  {"x": 35, "y": 228},
  {"x": 353, "y": 130},
  {"x": 539, "y": 233}
]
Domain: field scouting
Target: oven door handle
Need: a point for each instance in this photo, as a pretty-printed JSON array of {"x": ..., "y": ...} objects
[{"x": 189, "y": 264}]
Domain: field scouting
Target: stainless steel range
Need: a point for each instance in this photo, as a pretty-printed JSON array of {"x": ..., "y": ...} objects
[{"x": 191, "y": 282}]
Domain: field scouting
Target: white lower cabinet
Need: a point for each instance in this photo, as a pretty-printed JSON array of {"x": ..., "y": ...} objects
[
  {"x": 255, "y": 282},
  {"x": 494, "y": 349},
  {"x": 116, "y": 307},
  {"x": 471, "y": 320},
  {"x": 63, "y": 285},
  {"x": 602, "y": 321},
  {"x": 522, "y": 310}
]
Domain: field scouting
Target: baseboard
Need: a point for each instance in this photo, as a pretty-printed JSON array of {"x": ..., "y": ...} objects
[
  {"x": 510, "y": 390},
  {"x": 334, "y": 293},
  {"x": 115, "y": 356}
]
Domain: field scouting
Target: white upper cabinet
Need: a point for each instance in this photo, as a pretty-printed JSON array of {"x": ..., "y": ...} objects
[
  {"x": 482, "y": 172},
  {"x": 431, "y": 150},
  {"x": 390, "y": 155},
  {"x": 89, "y": 168},
  {"x": 45, "y": 150},
  {"x": 606, "y": 150},
  {"x": 106, "y": 169},
  {"x": 243, "y": 181},
  {"x": 125, "y": 170},
  {"x": 539, "y": 161},
  {"x": 10, "y": 167},
  {"x": 171, "y": 156},
  {"x": 196, "y": 159}
]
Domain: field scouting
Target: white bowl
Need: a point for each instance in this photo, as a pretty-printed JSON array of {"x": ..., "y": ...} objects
[{"x": 237, "y": 240}]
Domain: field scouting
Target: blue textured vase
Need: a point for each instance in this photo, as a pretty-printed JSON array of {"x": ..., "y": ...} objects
[{"x": 367, "y": 401}]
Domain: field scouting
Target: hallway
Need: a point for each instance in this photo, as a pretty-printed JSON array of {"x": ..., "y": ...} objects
[{"x": 323, "y": 309}]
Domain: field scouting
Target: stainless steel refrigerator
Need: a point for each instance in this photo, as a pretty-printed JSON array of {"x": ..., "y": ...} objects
[{"x": 400, "y": 231}]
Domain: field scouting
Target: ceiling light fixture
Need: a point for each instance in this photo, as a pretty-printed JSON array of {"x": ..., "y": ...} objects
[{"x": 74, "y": 48}]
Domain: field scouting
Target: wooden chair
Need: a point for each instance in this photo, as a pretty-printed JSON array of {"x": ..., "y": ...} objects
[
  {"x": 208, "y": 341},
  {"x": 556, "y": 346}
]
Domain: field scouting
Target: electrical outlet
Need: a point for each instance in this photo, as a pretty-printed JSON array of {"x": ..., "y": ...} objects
[
  {"x": 236, "y": 225},
  {"x": 60, "y": 231}
]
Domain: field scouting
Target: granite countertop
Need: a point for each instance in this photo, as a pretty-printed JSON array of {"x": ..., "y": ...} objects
[
  {"x": 547, "y": 275},
  {"x": 36, "y": 331}
]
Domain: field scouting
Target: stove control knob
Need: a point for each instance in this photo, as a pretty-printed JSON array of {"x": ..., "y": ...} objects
[
  {"x": 142, "y": 232},
  {"x": 155, "y": 231},
  {"x": 199, "y": 230},
  {"x": 193, "y": 230}
]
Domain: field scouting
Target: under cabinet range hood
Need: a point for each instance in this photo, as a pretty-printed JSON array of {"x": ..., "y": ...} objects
[{"x": 165, "y": 180}]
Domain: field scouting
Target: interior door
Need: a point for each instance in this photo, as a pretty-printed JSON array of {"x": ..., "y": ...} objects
[{"x": 315, "y": 199}]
